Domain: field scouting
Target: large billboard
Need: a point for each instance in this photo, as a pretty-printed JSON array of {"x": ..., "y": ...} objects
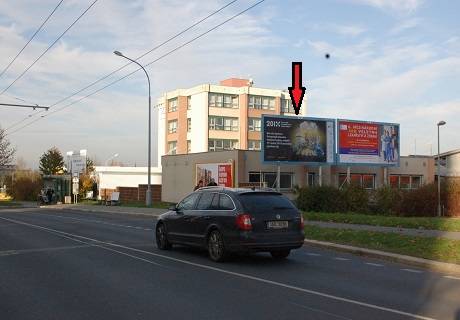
[
  {"x": 220, "y": 173},
  {"x": 361, "y": 142},
  {"x": 298, "y": 139}
]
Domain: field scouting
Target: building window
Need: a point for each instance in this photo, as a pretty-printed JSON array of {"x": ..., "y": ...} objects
[
  {"x": 223, "y": 123},
  {"x": 189, "y": 146},
  {"x": 405, "y": 181},
  {"x": 172, "y": 105},
  {"x": 254, "y": 145},
  {"x": 254, "y": 124},
  {"x": 261, "y": 102},
  {"x": 311, "y": 179},
  {"x": 269, "y": 179},
  {"x": 286, "y": 106},
  {"x": 222, "y": 144},
  {"x": 366, "y": 181},
  {"x": 219, "y": 100},
  {"x": 189, "y": 125},
  {"x": 415, "y": 182},
  {"x": 172, "y": 147},
  {"x": 172, "y": 126},
  {"x": 189, "y": 102}
]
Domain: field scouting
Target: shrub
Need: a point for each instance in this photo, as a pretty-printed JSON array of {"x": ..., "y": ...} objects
[
  {"x": 26, "y": 188},
  {"x": 452, "y": 197},
  {"x": 420, "y": 202},
  {"x": 356, "y": 198},
  {"x": 387, "y": 201},
  {"x": 328, "y": 199}
]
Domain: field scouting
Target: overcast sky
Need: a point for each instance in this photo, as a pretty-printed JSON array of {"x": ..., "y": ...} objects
[{"x": 391, "y": 60}]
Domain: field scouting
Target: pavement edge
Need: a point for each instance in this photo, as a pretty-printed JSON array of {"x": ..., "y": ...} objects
[{"x": 431, "y": 265}]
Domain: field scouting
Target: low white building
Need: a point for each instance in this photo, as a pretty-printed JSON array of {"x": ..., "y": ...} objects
[{"x": 111, "y": 177}]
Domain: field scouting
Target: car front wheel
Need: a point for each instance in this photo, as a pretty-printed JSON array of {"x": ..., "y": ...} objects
[
  {"x": 280, "y": 254},
  {"x": 216, "y": 247},
  {"x": 162, "y": 238}
]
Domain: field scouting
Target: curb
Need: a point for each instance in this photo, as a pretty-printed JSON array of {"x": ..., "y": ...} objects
[{"x": 394, "y": 257}]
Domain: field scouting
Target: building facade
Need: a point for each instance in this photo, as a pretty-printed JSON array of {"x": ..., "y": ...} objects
[
  {"x": 179, "y": 173},
  {"x": 450, "y": 164},
  {"x": 217, "y": 117}
]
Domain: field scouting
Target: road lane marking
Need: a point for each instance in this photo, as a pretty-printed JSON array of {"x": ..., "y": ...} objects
[
  {"x": 452, "y": 277},
  {"x": 72, "y": 237},
  {"x": 341, "y": 259},
  {"x": 320, "y": 311},
  {"x": 374, "y": 264},
  {"x": 22, "y": 251},
  {"x": 207, "y": 267},
  {"x": 412, "y": 270},
  {"x": 98, "y": 221}
]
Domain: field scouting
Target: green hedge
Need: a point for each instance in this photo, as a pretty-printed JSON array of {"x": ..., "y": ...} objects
[{"x": 384, "y": 201}]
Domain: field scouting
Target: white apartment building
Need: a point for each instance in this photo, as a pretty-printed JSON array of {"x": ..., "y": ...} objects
[{"x": 217, "y": 117}]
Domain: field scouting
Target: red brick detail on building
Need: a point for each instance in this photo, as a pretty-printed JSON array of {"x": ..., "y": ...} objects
[
  {"x": 106, "y": 193},
  {"x": 128, "y": 194},
  {"x": 156, "y": 192},
  {"x": 235, "y": 82},
  {"x": 137, "y": 194}
]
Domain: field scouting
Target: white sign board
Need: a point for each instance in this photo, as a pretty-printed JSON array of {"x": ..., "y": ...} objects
[{"x": 78, "y": 163}]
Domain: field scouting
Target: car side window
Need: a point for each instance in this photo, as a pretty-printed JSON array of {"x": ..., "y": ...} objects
[
  {"x": 188, "y": 203},
  {"x": 225, "y": 203},
  {"x": 205, "y": 201}
]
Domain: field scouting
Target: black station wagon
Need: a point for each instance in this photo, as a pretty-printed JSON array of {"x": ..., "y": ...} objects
[{"x": 226, "y": 220}]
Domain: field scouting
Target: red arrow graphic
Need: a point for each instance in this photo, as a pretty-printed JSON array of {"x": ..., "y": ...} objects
[{"x": 297, "y": 91}]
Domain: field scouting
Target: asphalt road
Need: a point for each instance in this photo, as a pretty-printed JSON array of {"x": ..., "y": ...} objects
[{"x": 57, "y": 264}]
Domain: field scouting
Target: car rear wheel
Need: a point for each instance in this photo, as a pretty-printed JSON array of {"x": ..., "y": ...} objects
[
  {"x": 162, "y": 238},
  {"x": 280, "y": 254},
  {"x": 216, "y": 247}
]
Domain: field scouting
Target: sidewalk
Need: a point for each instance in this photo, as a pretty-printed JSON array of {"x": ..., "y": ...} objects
[
  {"x": 153, "y": 212},
  {"x": 402, "y": 231}
]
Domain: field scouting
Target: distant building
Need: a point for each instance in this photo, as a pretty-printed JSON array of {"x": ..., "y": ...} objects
[
  {"x": 450, "y": 164},
  {"x": 217, "y": 117}
]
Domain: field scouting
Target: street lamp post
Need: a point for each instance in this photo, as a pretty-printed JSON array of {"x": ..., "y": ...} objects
[
  {"x": 440, "y": 123},
  {"x": 148, "y": 194}
]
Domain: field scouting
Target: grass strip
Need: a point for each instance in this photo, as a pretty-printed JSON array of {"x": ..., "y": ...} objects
[
  {"x": 429, "y": 223},
  {"x": 9, "y": 204},
  {"x": 438, "y": 249}
]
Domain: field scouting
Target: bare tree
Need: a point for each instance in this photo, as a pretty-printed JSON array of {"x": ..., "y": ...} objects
[{"x": 6, "y": 150}]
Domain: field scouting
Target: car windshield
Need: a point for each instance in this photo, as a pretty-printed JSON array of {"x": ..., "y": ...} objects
[{"x": 256, "y": 203}]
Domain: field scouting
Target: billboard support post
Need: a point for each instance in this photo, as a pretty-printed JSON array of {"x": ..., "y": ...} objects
[
  {"x": 278, "y": 178},
  {"x": 385, "y": 176},
  {"x": 320, "y": 176},
  {"x": 348, "y": 175}
]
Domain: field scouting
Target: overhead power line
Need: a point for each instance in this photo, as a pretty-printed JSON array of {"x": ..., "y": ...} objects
[
  {"x": 23, "y": 106},
  {"x": 49, "y": 47},
  {"x": 31, "y": 38},
  {"x": 127, "y": 64},
  {"x": 148, "y": 64},
  {"x": 144, "y": 54}
]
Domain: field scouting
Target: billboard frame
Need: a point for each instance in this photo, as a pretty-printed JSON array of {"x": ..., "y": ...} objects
[
  {"x": 354, "y": 164},
  {"x": 288, "y": 162}
]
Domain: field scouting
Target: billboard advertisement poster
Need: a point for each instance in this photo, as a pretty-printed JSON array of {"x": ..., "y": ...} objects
[
  {"x": 361, "y": 142},
  {"x": 298, "y": 139},
  {"x": 220, "y": 173}
]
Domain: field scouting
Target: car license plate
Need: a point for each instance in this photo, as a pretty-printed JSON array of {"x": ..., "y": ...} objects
[{"x": 277, "y": 224}]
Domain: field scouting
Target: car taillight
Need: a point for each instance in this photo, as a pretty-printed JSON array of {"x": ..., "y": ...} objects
[
  {"x": 302, "y": 224},
  {"x": 243, "y": 221}
]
